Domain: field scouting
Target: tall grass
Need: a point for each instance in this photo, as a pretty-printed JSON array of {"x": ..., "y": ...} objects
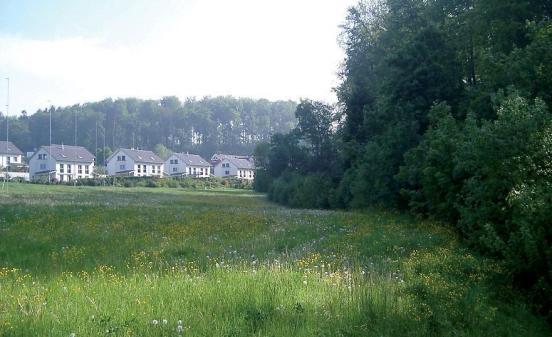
[{"x": 170, "y": 262}]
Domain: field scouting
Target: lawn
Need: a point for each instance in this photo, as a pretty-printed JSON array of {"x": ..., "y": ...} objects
[{"x": 91, "y": 261}]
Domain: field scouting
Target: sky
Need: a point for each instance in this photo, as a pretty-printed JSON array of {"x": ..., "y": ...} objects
[{"x": 66, "y": 52}]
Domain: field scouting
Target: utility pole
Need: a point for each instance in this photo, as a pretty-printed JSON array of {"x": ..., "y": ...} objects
[
  {"x": 75, "y": 127},
  {"x": 6, "y": 178},
  {"x": 96, "y": 138},
  {"x": 50, "y": 148}
]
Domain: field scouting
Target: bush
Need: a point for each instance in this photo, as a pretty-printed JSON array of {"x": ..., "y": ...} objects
[
  {"x": 495, "y": 178},
  {"x": 295, "y": 190}
]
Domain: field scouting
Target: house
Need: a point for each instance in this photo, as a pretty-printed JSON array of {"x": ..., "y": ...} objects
[
  {"x": 61, "y": 163},
  {"x": 134, "y": 163},
  {"x": 234, "y": 166},
  {"x": 187, "y": 164},
  {"x": 10, "y": 155}
]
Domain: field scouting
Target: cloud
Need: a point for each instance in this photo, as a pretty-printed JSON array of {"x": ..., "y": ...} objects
[{"x": 277, "y": 50}]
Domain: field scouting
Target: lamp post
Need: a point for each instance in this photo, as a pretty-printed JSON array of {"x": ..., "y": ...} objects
[{"x": 7, "y": 130}]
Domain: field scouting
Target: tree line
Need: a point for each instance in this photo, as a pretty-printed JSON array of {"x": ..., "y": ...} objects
[
  {"x": 445, "y": 110},
  {"x": 203, "y": 126}
]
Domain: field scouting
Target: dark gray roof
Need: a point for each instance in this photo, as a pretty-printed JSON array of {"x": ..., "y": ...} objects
[
  {"x": 192, "y": 159},
  {"x": 142, "y": 156},
  {"x": 241, "y": 163},
  {"x": 9, "y": 148},
  {"x": 220, "y": 156},
  {"x": 69, "y": 153}
]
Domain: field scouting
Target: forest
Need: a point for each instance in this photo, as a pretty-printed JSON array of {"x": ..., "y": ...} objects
[
  {"x": 203, "y": 126},
  {"x": 444, "y": 110}
]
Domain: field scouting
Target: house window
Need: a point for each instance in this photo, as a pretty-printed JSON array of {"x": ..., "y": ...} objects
[
  {"x": 175, "y": 169},
  {"x": 68, "y": 168},
  {"x": 42, "y": 166},
  {"x": 172, "y": 161},
  {"x": 144, "y": 169},
  {"x": 122, "y": 167},
  {"x": 152, "y": 169},
  {"x": 8, "y": 159},
  {"x": 61, "y": 168},
  {"x": 42, "y": 156},
  {"x": 139, "y": 168},
  {"x": 123, "y": 158},
  {"x": 80, "y": 169},
  {"x": 176, "y": 161},
  {"x": 226, "y": 172},
  {"x": 118, "y": 158},
  {"x": 15, "y": 159},
  {"x": 194, "y": 170},
  {"x": 159, "y": 169},
  {"x": 87, "y": 169}
]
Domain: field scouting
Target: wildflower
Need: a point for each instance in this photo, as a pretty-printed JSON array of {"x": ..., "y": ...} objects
[
  {"x": 179, "y": 322},
  {"x": 305, "y": 282},
  {"x": 179, "y": 328},
  {"x": 154, "y": 322},
  {"x": 72, "y": 334},
  {"x": 165, "y": 321}
]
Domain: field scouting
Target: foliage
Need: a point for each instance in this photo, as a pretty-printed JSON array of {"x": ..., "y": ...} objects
[
  {"x": 493, "y": 179},
  {"x": 423, "y": 123},
  {"x": 110, "y": 261},
  {"x": 203, "y": 126},
  {"x": 172, "y": 182},
  {"x": 294, "y": 190}
]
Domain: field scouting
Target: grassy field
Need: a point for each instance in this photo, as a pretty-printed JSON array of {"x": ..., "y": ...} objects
[{"x": 167, "y": 262}]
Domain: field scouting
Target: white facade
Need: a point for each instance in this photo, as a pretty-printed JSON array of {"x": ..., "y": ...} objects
[
  {"x": 43, "y": 164},
  {"x": 228, "y": 168},
  {"x": 121, "y": 163},
  {"x": 7, "y": 160},
  {"x": 176, "y": 166}
]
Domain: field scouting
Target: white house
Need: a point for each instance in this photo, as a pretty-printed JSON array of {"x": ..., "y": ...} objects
[
  {"x": 186, "y": 164},
  {"x": 61, "y": 163},
  {"x": 234, "y": 166},
  {"x": 134, "y": 163},
  {"x": 10, "y": 155}
]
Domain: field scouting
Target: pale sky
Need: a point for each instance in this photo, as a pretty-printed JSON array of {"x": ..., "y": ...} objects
[{"x": 74, "y": 51}]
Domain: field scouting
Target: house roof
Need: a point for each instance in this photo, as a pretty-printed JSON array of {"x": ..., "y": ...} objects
[
  {"x": 9, "y": 148},
  {"x": 192, "y": 159},
  {"x": 220, "y": 156},
  {"x": 140, "y": 156},
  {"x": 241, "y": 163},
  {"x": 68, "y": 153}
]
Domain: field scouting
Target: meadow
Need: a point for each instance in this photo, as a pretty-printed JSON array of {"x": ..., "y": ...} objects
[{"x": 107, "y": 261}]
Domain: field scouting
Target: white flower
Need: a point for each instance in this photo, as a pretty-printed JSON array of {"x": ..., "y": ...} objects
[
  {"x": 179, "y": 322},
  {"x": 72, "y": 334},
  {"x": 179, "y": 328},
  {"x": 154, "y": 322},
  {"x": 165, "y": 321},
  {"x": 305, "y": 282}
]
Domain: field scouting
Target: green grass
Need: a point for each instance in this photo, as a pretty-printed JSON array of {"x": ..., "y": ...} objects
[{"x": 109, "y": 261}]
